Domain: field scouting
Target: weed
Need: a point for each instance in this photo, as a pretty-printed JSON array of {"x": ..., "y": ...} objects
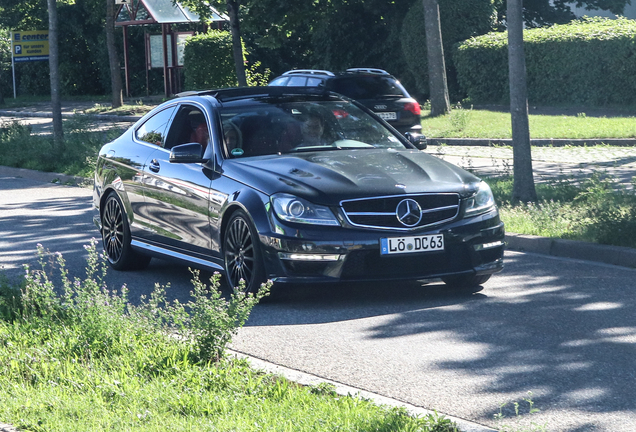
[
  {"x": 459, "y": 118},
  {"x": 519, "y": 411}
]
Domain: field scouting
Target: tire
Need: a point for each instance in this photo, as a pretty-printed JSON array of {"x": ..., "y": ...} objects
[
  {"x": 241, "y": 253},
  {"x": 465, "y": 281},
  {"x": 116, "y": 237}
]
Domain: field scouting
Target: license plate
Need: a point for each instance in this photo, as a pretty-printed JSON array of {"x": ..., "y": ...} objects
[
  {"x": 387, "y": 115},
  {"x": 413, "y": 244}
]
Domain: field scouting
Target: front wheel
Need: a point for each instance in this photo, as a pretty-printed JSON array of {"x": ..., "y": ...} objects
[
  {"x": 242, "y": 254},
  {"x": 465, "y": 281},
  {"x": 116, "y": 237}
]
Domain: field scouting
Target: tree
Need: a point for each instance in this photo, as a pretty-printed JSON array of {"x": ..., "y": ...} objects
[
  {"x": 435, "y": 55},
  {"x": 56, "y": 104},
  {"x": 202, "y": 7},
  {"x": 113, "y": 56},
  {"x": 523, "y": 187},
  {"x": 237, "y": 43}
]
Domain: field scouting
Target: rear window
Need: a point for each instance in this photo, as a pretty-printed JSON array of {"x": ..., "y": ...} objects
[{"x": 368, "y": 87}]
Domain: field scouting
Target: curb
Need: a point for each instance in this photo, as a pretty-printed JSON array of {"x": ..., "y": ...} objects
[
  {"x": 490, "y": 142},
  {"x": 306, "y": 379},
  {"x": 613, "y": 255},
  {"x": 45, "y": 177},
  {"x": 101, "y": 117}
]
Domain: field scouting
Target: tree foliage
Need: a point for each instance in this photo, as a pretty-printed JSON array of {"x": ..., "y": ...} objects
[{"x": 333, "y": 35}]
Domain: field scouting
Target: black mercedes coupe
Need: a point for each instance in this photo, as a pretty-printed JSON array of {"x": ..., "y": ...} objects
[{"x": 295, "y": 185}]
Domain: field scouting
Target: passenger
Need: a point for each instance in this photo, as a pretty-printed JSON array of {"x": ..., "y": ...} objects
[{"x": 232, "y": 136}]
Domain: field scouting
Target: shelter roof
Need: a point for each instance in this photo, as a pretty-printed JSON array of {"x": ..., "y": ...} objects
[{"x": 139, "y": 12}]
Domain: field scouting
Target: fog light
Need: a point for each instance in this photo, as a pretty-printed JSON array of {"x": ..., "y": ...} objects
[
  {"x": 308, "y": 257},
  {"x": 488, "y": 245}
]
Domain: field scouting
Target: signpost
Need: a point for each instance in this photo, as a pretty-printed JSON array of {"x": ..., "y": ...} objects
[{"x": 32, "y": 45}]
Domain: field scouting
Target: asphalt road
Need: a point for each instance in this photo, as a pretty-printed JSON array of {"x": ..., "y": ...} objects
[{"x": 561, "y": 329}]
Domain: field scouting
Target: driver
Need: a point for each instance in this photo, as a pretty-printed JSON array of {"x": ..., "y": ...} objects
[{"x": 312, "y": 130}]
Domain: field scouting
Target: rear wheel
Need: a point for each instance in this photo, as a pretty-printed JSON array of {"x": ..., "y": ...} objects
[
  {"x": 242, "y": 254},
  {"x": 465, "y": 281},
  {"x": 116, "y": 237}
]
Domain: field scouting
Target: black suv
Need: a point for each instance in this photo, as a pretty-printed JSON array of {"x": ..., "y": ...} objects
[{"x": 376, "y": 89}]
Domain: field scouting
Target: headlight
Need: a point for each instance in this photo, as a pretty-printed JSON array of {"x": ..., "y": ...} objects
[
  {"x": 293, "y": 209},
  {"x": 481, "y": 202}
]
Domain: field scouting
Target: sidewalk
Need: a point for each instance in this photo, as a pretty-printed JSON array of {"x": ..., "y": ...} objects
[{"x": 549, "y": 163}]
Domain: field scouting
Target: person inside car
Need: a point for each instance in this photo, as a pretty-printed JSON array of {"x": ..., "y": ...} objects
[{"x": 312, "y": 129}]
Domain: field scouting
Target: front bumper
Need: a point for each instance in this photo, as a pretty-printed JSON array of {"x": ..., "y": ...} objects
[{"x": 472, "y": 246}]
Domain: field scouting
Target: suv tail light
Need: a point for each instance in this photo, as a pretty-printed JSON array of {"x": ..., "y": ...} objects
[{"x": 413, "y": 107}]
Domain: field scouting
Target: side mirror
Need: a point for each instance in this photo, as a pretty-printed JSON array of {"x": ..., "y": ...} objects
[
  {"x": 417, "y": 139},
  {"x": 187, "y": 153}
]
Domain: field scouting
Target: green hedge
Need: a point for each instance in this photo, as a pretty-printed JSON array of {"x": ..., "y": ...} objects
[
  {"x": 208, "y": 61},
  {"x": 459, "y": 20},
  {"x": 589, "y": 61}
]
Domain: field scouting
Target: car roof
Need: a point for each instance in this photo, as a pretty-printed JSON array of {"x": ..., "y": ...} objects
[
  {"x": 328, "y": 74},
  {"x": 224, "y": 95}
]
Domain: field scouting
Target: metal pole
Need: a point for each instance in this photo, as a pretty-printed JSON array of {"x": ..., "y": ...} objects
[
  {"x": 13, "y": 67},
  {"x": 164, "y": 37},
  {"x": 126, "y": 70}
]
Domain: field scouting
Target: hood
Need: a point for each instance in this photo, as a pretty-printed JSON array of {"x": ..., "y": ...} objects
[{"x": 327, "y": 177}]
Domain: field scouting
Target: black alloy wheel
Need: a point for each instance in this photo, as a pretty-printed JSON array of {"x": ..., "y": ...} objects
[
  {"x": 116, "y": 237},
  {"x": 242, "y": 254}
]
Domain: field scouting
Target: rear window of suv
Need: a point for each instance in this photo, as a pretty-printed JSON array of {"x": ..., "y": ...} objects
[{"x": 367, "y": 87}]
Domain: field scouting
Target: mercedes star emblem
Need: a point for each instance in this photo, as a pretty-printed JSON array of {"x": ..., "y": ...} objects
[{"x": 408, "y": 212}]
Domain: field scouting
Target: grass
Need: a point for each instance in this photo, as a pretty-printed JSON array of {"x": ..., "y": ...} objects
[
  {"x": 21, "y": 149},
  {"x": 101, "y": 104},
  {"x": 80, "y": 357},
  {"x": 596, "y": 210},
  {"x": 464, "y": 122},
  {"x": 138, "y": 108}
]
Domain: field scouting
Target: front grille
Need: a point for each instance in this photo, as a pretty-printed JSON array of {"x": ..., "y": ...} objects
[{"x": 380, "y": 212}]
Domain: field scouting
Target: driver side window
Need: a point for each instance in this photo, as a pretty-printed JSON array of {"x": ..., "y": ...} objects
[{"x": 189, "y": 126}]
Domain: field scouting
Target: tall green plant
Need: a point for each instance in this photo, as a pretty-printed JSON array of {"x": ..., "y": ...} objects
[{"x": 109, "y": 324}]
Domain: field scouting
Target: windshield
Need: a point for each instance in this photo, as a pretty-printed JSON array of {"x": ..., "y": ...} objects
[
  {"x": 264, "y": 128},
  {"x": 368, "y": 87}
]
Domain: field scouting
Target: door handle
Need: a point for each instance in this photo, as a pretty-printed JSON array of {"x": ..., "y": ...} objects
[{"x": 154, "y": 166}]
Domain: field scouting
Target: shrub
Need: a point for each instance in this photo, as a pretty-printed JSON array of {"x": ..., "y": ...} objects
[
  {"x": 209, "y": 62},
  {"x": 588, "y": 61}
]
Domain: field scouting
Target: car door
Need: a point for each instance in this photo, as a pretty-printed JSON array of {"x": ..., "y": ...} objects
[
  {"x": 130, "y": 162},
  {"x": 177, "y": 194}
]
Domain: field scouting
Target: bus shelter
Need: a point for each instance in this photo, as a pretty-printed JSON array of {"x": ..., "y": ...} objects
[{"x": 163, "y": 50}]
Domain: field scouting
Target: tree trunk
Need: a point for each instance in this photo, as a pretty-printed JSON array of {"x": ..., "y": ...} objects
[
  {"x": 523, "y": 187},
  {"x": 117, "y": 99},
  {"x": 435, "y": 56},
  {"x": 56, "y": 104},
  {"x": 237, "y": 45}
]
